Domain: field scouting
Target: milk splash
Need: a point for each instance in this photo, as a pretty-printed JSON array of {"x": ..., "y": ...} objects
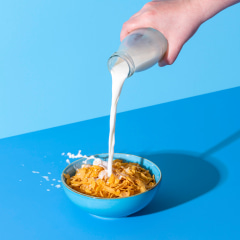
[
  {"x": 96, "y": 161},
  {"x": 119, "y": 74},
  {"x": 78, "y": 155}
]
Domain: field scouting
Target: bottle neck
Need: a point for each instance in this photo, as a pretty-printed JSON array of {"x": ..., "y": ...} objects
[{"x": 119, "y": 57}]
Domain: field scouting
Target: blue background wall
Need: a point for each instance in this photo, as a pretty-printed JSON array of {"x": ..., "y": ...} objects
[{"x": 53, "y": 62}]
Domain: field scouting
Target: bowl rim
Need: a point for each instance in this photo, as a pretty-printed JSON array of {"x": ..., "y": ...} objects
[{"x": 100, "y": 198}]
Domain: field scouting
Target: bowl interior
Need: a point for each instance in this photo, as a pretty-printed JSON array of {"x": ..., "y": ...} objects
[{"x": 153, "y": 169}]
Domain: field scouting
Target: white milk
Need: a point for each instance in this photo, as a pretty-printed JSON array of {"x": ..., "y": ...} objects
[{"x": 119, "y": 74}]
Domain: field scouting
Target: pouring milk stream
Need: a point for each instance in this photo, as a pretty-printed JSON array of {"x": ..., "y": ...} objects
[{"x": 140, "y": 50}]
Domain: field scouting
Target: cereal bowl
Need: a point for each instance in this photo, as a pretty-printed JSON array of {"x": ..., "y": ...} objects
[{"x": 112, "y": 207}]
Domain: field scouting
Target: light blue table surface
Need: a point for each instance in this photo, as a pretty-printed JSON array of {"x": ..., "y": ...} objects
[{"x": 195, "y": 142}]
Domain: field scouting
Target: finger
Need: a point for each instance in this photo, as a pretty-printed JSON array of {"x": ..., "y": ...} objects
[
  {"x": 128, "y": 27},
  {"x": 170, "y": 55},
  {"x": 135, "y": 15},
  {"x": 124, "y": 32},
  {"x": 162, "y": 62},
  {"x": 133, "y": 24}
]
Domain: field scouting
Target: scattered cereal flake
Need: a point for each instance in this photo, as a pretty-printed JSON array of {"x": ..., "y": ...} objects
[
  {"x": 54, "y": 179},
  {"x": 46, "y": 178},
  {"x": 52, "y": 184},
  {"x": 40, "y": 184},
  {"x": 67, "y": 161},
  {"x": 49, "y": 172},
  {"x": 48, "y": 190},
  {"x": 63, "y": 154},
  {"x": 59, "y": 180},
  {"x": 20, "y": 180},
  {"x": 35, "y": 172},
  {"x": 58, "y": 186}
]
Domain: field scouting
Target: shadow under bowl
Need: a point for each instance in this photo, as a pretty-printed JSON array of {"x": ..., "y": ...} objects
[{"x": 112, "y": 207}]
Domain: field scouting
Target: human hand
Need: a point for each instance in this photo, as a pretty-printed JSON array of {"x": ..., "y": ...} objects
[{"x": 177, "y": 20}]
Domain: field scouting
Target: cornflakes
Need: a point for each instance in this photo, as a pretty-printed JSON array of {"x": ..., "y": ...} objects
[{"x": 127, "y": 179}]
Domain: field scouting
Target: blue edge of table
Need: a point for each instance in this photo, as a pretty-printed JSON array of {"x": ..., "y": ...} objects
[{"x": 195, "y": 142}]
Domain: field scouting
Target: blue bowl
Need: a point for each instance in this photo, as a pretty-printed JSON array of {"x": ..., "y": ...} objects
[{"x": 114, "y": 207}]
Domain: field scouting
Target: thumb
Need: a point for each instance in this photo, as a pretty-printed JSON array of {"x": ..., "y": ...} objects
[
  {"x": 127, "y": 27},
  {"x": 170, "y": 55}
]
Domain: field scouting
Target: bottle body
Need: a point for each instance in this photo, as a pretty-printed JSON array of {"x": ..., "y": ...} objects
[{"x": 141, "y": 49}]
